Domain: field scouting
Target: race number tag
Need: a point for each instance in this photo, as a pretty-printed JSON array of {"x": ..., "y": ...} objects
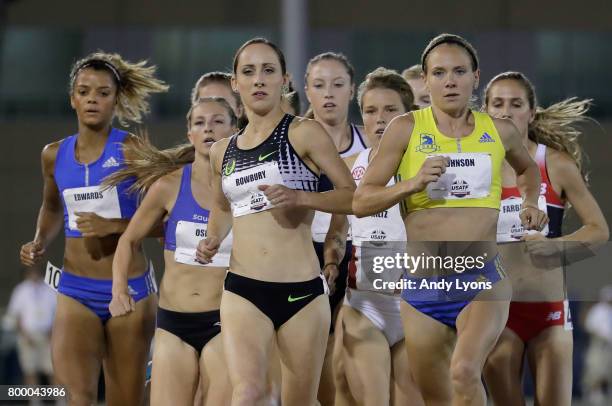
[
  {"x": 105, "y": 203},
  {"x": 188, "y": 235},
  {"x": 509, "y": 227},
  {"x": 52, "y": 276},
  {"x": 242, "y": 188},
  {"x": 467, "y": 176}
]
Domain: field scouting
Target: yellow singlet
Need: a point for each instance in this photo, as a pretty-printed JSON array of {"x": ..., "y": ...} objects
[{"x": 473, "y": 177}]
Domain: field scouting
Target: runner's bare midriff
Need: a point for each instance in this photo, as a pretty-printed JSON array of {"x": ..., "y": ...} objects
[
  {"x": 452, "y": 224},
  {"x": 188, "y": 288},
  {"x": 533, "y": 279},
  {"x": 452, "y": 232},
  {"x": 274, "y": 245},
  {"x": 93, "y": 257}
]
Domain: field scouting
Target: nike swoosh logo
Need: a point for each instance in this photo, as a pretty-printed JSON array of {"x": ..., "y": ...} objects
[
  {"x": 295, "y": 299},
  {"x": 217, "y": 324},
  {"x": 262, "y": 157}
]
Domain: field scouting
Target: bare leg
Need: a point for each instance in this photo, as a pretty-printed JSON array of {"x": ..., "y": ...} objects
[
  {"x": 215, "y": 381},
  {"x": 128, "y": 340},
  {"x": 302, "y": 341},
  {"x": 550, "y": 359},
  {"x": 503, "y": 370},
  {"x": 77, "y": 345}
]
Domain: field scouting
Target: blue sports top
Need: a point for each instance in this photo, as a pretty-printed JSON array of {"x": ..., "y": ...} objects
[
  {"x": 80, "y": 184},
  {"x": 186, "y": 226}
]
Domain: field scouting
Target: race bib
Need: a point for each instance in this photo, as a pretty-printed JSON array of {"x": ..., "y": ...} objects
[
  {"x": 188, "y": 235},
  {"x": 242, "y": 190},
  {"x": 509, "y": 227},
  {"x": 105, "y": 203},
  {"x": 467, "y": 176},
  {"x": 52, "y": 276}
]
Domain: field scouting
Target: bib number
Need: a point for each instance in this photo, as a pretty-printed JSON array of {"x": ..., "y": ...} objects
[
  {"x": 105, "y": 203},
  {"x": 242, "y": 190},
  {"x": 509, "y": 227},
  {"x": 188, "y": 235},
  {"x": 468, "y": 176},
  {"x": 53, "y": 275}
]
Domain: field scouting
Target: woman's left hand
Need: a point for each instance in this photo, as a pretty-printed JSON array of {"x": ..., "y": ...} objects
[
  {"x": 92, "y": 225},
  {"x": 281, "y": 196}
]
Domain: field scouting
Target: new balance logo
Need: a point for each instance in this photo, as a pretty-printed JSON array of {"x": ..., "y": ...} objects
[
  {"x": 110, "y": 162},
  {"x": 554, "y": 316},
  {"x": 486, "y": 138}
]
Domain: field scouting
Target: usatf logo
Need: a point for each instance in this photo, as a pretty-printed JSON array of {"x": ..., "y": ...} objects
[
  {"x": 358, "y": 172},
  {"x": 428, "y": 144},
  {"x": 258, "y": 201},
  {"x": 377, "y": 238},
  {"x": 230, "y": 167},
  {"x": 460, "y": 188},
  {"x": 486, "y": 138},
  {"x": 378, "y": 235}
]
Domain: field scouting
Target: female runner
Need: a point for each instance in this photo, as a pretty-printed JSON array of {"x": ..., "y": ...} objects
[
  {"x": 218, "y": 84},
  {"x": 539, "y": 323},
  {"x": 266, "y": 178},
  {"x": 370, "y": 337},
  {"x": 449, "y": 187},
  {"x": 330, "y": 87},
  {"x": 102, "y": 86},
  {"x": 187, "y": 341},
  {"x": 414, "y": 77}
]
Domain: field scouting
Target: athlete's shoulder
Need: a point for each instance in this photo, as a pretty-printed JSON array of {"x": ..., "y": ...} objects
[
  {"x": 219, "y": 147},
  {"x": 49, "y": 152},
  {"x": 306, "y": 134},
  {"x": 303, "y": 124},
  {"x": 52, "y": 148},
  {"x": 553, "y": 154},
  {"x": 507, "y": 131},
  {"x": 559, "y": 162},
  {"x": 402, "y": 124},
  {"x": 168, "y": 184},
  {"x": 217, "y": 151}
]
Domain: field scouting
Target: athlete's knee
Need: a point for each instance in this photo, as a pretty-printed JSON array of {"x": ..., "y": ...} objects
[
  {"x": 497, "y": 361},
  {"x": 249, "y": 393},
  {"x": 79, "y": 393},
  {"x": 82, "y": 396},
  {"x": 465, "y": 375}
]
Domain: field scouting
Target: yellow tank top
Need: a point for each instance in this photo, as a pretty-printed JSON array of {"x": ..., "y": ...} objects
[{"x": 473, "y": 177}]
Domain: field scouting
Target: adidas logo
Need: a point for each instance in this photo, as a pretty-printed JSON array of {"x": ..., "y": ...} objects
[
  {"x": 110, "y": 162},
  {"x": 486, "y": 138}
]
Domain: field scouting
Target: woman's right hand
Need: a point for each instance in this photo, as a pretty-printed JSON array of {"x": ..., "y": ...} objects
[
  {"x": 121, "y": 304},
  {"x": 207, "y": 249},
  {"x": 31, "y": 253},
  {"x": 430, "y": 171}
]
